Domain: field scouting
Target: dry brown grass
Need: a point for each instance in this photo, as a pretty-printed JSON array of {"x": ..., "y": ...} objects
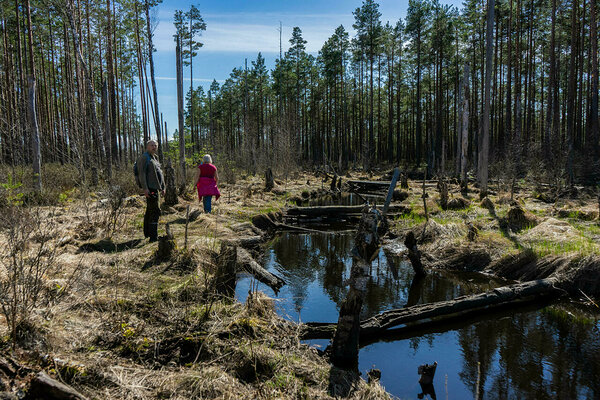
[{"x": 130, "y": 329}]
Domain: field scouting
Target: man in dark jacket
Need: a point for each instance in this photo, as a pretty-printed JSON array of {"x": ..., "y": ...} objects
[{"x": 153, "y": 183}]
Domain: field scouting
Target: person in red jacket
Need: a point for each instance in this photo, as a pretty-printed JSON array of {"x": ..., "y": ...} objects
[{"x": 207, "y": 177}]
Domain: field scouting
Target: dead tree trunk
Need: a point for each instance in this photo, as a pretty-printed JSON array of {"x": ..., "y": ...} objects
[
  {"x": 44, "y": 387},
  {"x": 269, "y": 182},
  {"x": 171, "y": 190},
  {"x": 390, "y": 193},
  {"x": 245, "y": 260},
  {"x": 180, "y": 114},
  {"x": 345, "y": 342},
  {"x": 484, "y": 144},
  {"x": 464, "y": 135},
  {"x": 424, "y": 197},
  {"x": 440, "y": 313},
  {"x": 166, "y": 245},
  {"x": 99, "y": 133},
  {"x": 414, "y": 255},
  {"x": 443, "y": 186},
  {"x": 35, "y": 131},
  {"x": 332, "y": 187},
  {"x": 404, "y": 181},
  {"x": 319, "y": 211},
  {"x": 157, "y": 124}
]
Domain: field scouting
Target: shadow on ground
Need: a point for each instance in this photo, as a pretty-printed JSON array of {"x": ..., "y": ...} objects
[{"x": 108, "y": 246}]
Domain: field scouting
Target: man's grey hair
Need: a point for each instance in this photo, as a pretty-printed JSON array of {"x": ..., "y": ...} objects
[
  {"x": 207, "y": 159},
  {"x": 151, "y": 141}
]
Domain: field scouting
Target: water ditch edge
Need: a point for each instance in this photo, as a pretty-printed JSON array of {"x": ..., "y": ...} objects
[{"x": 534, "y": 354}]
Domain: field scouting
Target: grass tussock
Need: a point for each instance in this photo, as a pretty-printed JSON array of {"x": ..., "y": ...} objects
[{"x": 134, "y": 327}]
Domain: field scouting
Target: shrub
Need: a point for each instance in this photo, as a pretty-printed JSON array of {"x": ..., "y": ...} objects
[{"x": 26, "y": 258}]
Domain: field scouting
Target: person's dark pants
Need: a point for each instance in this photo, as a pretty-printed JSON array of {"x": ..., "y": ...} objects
[
  {"x": 207, "y": 202},
  {"x": 151, "y": 216}
]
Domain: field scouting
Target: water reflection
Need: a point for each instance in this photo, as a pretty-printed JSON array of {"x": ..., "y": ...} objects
[
  {"x": 316, "y": 266},
  {"x": 339, "y": 199},
  {"x": 534, "y": 354}
]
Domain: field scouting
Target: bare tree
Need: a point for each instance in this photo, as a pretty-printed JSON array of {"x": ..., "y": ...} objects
[
  {"x": 157, "y": 124},
  {"x": 484, "y": 148},
  {"x": 464, "y": 125},
  {"x": 33, "y": 122}
]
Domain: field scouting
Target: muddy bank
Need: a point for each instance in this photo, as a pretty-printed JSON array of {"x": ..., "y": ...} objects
[{"x": 447, "y": 247}]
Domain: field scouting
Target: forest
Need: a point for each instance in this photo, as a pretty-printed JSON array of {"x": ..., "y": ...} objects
[
  {"x": 420, "y": 194},
  {"x": 401, "y": 92}
]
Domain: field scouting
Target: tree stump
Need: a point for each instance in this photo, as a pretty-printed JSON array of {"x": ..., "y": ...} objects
[
  {"x": 94, "y": 177},
  {"x": 424, "y": 197},
  {"x": 333, "y": 183},
  {"x": 472, "y": 232},
  {"x": 404, "y": 181},
  {"x": 443, "y": 188},
  {"x": 367, "y": 243},
  {"x": 269, "y": 181},
  {"x": 171, "y": 190},
  {"x": 166, "y": 246},
  {"x": 225, "y": 276},
  {"x": 489, "y": 205},
  {"x": 374, "y": 375},
  {"x": 414, "y": 255},
  {"x": 427, "y": 372}
]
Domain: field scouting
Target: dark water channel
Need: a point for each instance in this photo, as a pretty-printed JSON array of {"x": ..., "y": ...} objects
[{"x": 552, "y": 353}]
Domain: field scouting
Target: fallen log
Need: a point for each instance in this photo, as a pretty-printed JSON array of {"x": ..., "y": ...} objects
[
  {"x": 370, "y": 184},
  {"x": 45, "y": 387},
  {"x": 335, "y": 211},
  {"x": 431, "y": 314},
  {"x": 245, "y": 261},
  {"x": 249, "y": 242}
]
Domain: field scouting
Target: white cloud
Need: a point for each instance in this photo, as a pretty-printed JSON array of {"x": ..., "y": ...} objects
[
  {"x": 253, "y": 32},
  {"x": 170, "y": 78}
]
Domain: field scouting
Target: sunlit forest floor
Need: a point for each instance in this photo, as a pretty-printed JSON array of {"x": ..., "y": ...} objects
[{"x": 121, "y": 324}]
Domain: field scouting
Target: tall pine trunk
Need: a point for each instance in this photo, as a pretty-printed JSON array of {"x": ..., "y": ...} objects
[
  {"x": 33, "y": 122},
  {"x": 593, "y": 119},
  {"x": 571, "y": 92},
  {"x": 484, "y": 148},
  {"x": 157, "y": 124},
  {"x": 97, "y": 128},
  {"x": 180, "y": 113}
]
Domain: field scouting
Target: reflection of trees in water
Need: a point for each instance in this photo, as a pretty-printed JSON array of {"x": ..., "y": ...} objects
[
  {"x": 304, "y": 258},
  {"x": 539, "y": 356},
  {"x": 478, "y": 344},
  {"x": 325, "y": 258}
]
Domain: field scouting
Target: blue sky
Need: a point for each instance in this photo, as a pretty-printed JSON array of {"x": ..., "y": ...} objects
[{"x": 239, "y": 29}]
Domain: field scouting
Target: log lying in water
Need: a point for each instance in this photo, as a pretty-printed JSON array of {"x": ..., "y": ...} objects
[
  {"x": 245, "y": 260},
  {"x": 416, "y": 317},
  {"x": 369, "y": 185},
  {"x": 334, "y": 211},
  {"x": 375, "y": 188}
]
